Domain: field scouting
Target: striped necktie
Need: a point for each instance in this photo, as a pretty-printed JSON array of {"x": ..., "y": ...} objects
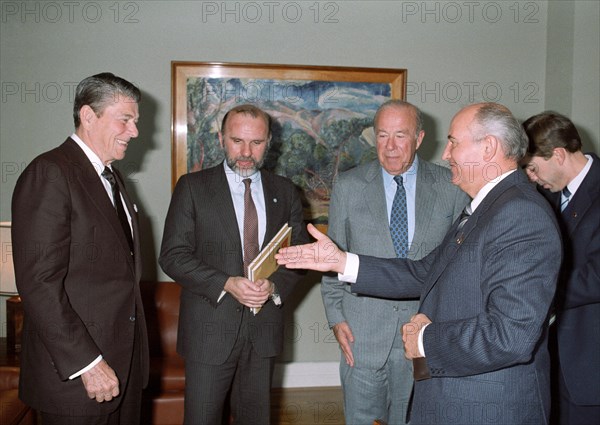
[{"x": 565, "y": 198}]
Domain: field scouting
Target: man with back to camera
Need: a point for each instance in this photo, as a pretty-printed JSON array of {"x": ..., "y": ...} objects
[
  {"x": 570, "y": 180},
  {"x": 205, "y": 249},
  {"x": 479, "y": 341},
  {"x": 77, "y": 261},
  {"x": 376, "y": 378}
]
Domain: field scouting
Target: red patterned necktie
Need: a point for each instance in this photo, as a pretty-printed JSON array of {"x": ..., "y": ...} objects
[{"x": 251, "y": 248}]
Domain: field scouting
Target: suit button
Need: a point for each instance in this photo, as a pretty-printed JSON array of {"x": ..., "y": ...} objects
[
  {"x": 239, "y": 310},
  {"x": 132, "y": 318}
]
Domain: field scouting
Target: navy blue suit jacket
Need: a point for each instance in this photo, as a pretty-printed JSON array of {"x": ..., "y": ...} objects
[{"x": 578, "y": 294}]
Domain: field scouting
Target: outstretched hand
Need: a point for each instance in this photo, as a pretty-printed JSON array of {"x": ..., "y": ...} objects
[{"x": 322, "y": 255}]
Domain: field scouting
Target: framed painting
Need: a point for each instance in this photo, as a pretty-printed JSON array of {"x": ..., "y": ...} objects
[{"x": 322, "y": 118}]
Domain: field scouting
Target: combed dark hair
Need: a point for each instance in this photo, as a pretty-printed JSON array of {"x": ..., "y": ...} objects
[
  {"x": 251, "y": 110},
  {"x": 549, "y": 130},
  {"x": 99, "y": 90},
  {"x": 397, "y": 103},
  {"x": 497, "y": 120}
]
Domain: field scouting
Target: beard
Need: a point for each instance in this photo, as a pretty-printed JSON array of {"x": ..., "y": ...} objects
[{"x": 247, "y": 171}]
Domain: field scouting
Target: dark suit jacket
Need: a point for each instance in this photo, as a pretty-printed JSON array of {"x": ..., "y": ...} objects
[
  {"x": 578, "y": 295},
  {"x": 201, "y": 249},
  {"x": 77, "y": 279},
  {"x": 488, "y": 292}
]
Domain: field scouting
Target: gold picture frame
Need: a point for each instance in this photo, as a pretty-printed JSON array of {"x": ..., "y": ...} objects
[{"x": 202, "y": 92}]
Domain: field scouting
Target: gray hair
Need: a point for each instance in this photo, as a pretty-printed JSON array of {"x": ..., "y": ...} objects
[
  {"x": 497, "y": 120},
  {"x": 398, "y": 103},
  {"x": 99, "y": 90}
]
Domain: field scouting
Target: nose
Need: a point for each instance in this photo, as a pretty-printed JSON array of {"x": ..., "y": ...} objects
[
  {"x": 133, "y": 130},
  {"x": 446, "y": 154},
  {"x": 389, "y": 144},
  {"x": 246, "y": 150}
]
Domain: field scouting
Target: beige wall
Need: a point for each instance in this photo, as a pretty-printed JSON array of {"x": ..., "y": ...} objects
[{"x": 529, "y": 55}]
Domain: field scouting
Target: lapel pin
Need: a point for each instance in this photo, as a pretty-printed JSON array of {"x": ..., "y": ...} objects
[
  {"x": 274, "y": 200},
  {"x": 135, "y": 208}
]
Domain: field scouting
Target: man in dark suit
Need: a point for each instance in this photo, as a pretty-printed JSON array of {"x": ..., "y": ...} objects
[
  {"x": 77, "y": 263},
  {"x": 480, "y": 338},
  {"x": 376, "y": 378},
  {"x": 570, "y": 180},
  {"x": 206, "y": 248}
]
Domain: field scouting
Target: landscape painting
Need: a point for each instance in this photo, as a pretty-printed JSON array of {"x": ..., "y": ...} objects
[{"x": 321, "y": 127}]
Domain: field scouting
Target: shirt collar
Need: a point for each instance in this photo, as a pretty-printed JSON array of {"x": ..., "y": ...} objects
[
  {"x": 235, "y": 179},
  {"x": 576, "y": 182},
  {"x": 409, "y": 177},
  {"x": 94, "y": 159},
  {"x": 483, "y": 192}
]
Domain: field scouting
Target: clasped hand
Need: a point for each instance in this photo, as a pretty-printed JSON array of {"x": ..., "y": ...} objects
[{"x": 248, "y": 293}]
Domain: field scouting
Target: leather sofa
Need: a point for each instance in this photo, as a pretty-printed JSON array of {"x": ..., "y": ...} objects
[
  {"x": 12, "y": 410},
  {"x": 163, "y": 398}
]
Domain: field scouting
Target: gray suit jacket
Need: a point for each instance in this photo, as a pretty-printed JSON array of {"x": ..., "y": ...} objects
[
  {"x": 201, "y": 249},
  {"x": 488, "y": 291},
  {"x": 358, "y": 222}
]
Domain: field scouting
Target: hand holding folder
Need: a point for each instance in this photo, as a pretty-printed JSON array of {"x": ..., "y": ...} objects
[{"x": 264, "y": 265}]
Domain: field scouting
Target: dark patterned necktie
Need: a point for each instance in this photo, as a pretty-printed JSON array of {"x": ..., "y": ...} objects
[
  {"x": 251, "y": 247},
  {"x": 118, "y": 204},
  {"x": 566, "y": 194},
  {"x": 464, "y": 216},
  {"x": 399, "y": 220}
]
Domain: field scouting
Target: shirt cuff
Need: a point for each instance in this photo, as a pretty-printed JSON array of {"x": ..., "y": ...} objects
[
  {"x": 275, "y": 297},
  {"x": 223, "y": 293},
  {"x": 351, "y": 270},
  {"x": 85, "y": 369},
  {"x": 420, "y": 340}
]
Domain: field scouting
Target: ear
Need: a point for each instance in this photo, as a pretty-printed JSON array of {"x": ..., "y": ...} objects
[
  {"x": 490, "y": 145},
  {"x": 86, "y": 116},
  {"x": 559, "y": 155},
  {"x": 420, "y": 138}
]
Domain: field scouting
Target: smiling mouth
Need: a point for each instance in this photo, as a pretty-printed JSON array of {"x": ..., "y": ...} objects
[{"x": 122, "y": 142}]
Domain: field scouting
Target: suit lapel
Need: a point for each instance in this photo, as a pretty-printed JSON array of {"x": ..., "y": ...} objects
[
  {"x": 454, "y": 241},
  {"x": 374, "y": 197},
  {"x": 220, "y": 195},
  {"x": 90, "y": 183},
  {"x": 588, "y": 191},
  {"x": 424, "y": 203},
  {"x": 270, "y": 192},
  {"x": 134, "y": 225}
]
